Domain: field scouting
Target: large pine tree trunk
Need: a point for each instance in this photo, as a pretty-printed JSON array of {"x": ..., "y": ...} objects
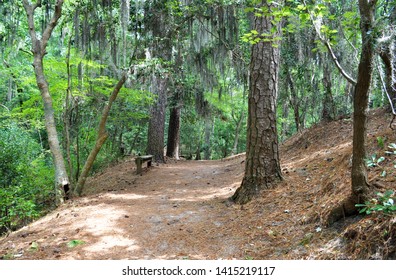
[
  {"x": 155, "y": 141},
  {"x": 172, "y": 149},
  {"x": 262, "y": 169},
  {"x": 39, "y": 51},
  {"x": 157, "y": 20}
]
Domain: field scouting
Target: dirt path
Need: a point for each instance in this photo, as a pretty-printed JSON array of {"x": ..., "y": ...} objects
[
  {"x": 170, "y": 212},
  {"x": 180, "y": 210}
]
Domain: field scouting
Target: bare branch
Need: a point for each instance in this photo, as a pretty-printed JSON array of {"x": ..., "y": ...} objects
[
  {"x": 326, "y": 42},
  {"x": 337, "y": 63},
  {"x": 386, "y": 91},
  {"x": 5, "y": 107}
]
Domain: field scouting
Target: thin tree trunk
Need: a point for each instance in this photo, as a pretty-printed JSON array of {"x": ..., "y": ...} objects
[
  {"x": 294, "y": 101},
  {"x": 39, "y": 51},
  {"x": 388, "y": 58},
  {"x": 328, "y": 106},
  {"x": 285, "y": 124},
  {"x": 101, "y": 138},
  {"x": 360, "y": 186},
  {"x": 262, "y": 169},
  {"x": 365, "y": 72},
  {"x": 208, "y": 134},
  {"x": 67, "y": 116},
  {"x": 77, "y": 147},
  {"x": 237, "y": 131}
]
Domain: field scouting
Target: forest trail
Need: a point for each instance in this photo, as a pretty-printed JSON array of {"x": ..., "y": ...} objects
[
  {"x": 171, "y": 211},
  {"x": 180, "y": 210}
]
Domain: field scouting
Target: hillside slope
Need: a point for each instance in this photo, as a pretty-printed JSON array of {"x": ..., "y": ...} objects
[{"x": 180, "y": 210}]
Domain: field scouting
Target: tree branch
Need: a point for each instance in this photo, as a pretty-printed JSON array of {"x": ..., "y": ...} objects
[
  {"x": 51, "y": 25},
  {"x": 330, "y": 50},
  {"x": 30, "y": 18}
]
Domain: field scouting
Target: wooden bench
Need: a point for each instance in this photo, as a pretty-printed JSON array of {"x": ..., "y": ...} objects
[{"x": 140, "y": 160}]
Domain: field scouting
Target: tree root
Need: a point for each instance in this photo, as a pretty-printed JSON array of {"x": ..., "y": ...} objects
[{"x": 345, "y": 209}]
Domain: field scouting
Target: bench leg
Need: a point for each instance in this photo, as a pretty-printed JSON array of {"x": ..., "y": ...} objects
[{"x": 138, "y": 166}]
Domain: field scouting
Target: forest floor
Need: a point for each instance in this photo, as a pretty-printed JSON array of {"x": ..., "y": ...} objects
[{"x": 180, "y": 210}]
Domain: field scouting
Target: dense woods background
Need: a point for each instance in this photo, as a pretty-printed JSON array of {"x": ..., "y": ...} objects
[{"x": 172, "y": 78}]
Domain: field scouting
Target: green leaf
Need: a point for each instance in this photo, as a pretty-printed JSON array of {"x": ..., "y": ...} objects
[
  {"x": 392, "y": 146},
  {"x": 389, "y": 192},
  {"x": 75, "y": 243},
  {"x": 34, "y": 246},
  {"x": 249, "y": 9}
]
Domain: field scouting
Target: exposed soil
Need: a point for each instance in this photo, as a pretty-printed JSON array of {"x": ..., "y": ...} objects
[{"x": 180, "y": 210}]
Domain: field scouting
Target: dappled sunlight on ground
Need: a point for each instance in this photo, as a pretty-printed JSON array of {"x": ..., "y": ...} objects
[
  {"x": 127, "y": 196},
  {"x": 181, "y": 210}
]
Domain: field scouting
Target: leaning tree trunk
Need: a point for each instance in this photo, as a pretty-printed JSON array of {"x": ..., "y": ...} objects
[
  {"x": 262, "y": 169},
  {"x": 39, "y": 51},
  {"x": 101, "y": 137}
]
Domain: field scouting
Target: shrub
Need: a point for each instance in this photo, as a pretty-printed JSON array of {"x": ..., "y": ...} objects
[
  {"x": 26, "y": 180},
  {"x": 385, "y": 203}
]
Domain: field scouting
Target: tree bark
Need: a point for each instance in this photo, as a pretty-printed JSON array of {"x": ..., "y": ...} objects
[
  {"x": 360, "y": 188},
  {"x": 67, "y": 117},
  {"x": 158, "y": 20},
  {"x": 172, "y": 149},
  {"x": 328, "y": 105},
  {"x": 39, "y": 51},
  {"x": 155, "y": 141},
  {"x": 262, "y": 168}
]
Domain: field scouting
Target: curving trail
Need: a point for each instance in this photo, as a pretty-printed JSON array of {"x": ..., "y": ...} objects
[
  {"x": 172, "y": 211},
  {"x": 180, "y": 210}
]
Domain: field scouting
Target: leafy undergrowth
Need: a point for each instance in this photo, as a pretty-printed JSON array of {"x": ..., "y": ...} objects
[{"x": 181, "y": 210}]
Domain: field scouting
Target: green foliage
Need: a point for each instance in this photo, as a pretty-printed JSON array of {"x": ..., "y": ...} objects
[
  {"x": 384, "y": 203},
  {"x": 16, "y": 207},
  {"x": 380, "y": 142},
  {"x": 392, "y": 148},
  {"x": 26, "y": 180},
  {"x": 75, "y": 243},
  {"x": 373, "y": 161}
]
